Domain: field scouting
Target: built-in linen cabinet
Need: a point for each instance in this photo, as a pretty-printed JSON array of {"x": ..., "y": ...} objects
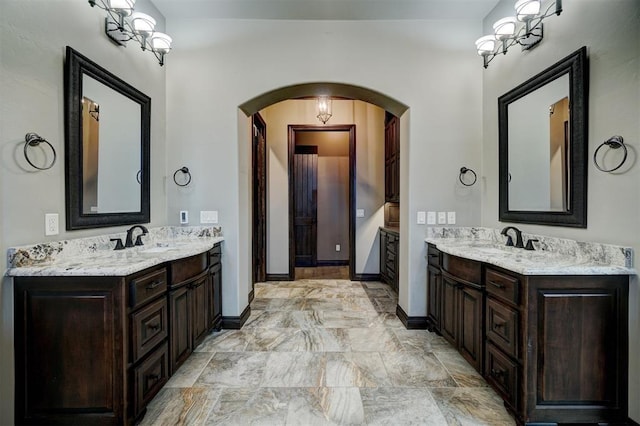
[
  {"x": 553, "y": 346},
  {"x": 97, "y": 349},
  {"x": 389, "y": 249}
]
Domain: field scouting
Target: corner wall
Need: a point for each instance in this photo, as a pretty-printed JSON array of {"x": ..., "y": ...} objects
[{"x": 611, "y": 33}]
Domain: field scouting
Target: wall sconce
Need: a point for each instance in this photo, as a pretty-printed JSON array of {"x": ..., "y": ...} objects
[
  {"x": 506, "y": 33},
  {"x": 123, "y": 24},
  {"x": 324, "y": 109}
]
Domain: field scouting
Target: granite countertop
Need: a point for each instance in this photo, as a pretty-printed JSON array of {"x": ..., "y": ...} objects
[
  {"x": 95, "y": 256},
  {"x": 553, "y": 256}
]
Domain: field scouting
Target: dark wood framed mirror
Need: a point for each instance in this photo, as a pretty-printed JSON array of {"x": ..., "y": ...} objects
[
  {"x": 543, "y": 146},
  {"x": 107, "y": 147}
]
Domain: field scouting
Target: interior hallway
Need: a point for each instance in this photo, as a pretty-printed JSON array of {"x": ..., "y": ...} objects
[{"x": 321, "y": 352}]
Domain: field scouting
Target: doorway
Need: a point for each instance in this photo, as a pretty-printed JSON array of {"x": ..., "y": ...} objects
[
  {"x": 309, "y": 162},
  {"x": 259, "y": 213}
]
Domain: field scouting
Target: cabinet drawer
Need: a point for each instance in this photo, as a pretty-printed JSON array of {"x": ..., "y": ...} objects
[
  {"x": 503, "y": 286},
  {"x": 149, "y": 377},
  {"x": 215, "y": 255},
  {"x": 148, "y": 328},
  {"x": 433, "y": 255},
  {"x": 148, "y": 286},
  {"x": 185, "y": 269},
  {"x": 503, "y": 375},
  {"x": 466, "y": 269},
  {"x": 503, "y": 327}
]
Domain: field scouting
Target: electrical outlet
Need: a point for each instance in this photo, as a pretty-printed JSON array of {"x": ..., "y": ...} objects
[
  {"x": 184, "y": 217},
  {"x": 207, "y": 216},
  {"x": 451, "y": 218},
  {"x": 359, "y": 212},
  {"x": 442, "y": 218},
  {"x": 422, "y": 218},
  {"x": 51, "y": 224},
  {"x": 431, "y": 218},
  {"x": 337, "y": 247}
]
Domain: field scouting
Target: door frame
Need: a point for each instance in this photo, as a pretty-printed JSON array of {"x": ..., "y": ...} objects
[
  {"x": 257, "y": 214},
  {"x": 293, "y": 129}
]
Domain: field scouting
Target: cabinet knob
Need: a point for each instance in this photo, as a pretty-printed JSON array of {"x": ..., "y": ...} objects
[
  {"x": 497, "y": 373},
  {"x": 498, "y": 325},
  {"x": 153, "y": 326}
]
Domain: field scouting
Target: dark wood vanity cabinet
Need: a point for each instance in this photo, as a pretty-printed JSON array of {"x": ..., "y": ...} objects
[
  {"x": 392, "y": 159},
  {"x": 389, "y": 249},
  {"x": 96, "y": 350},
  {"x": 434, "y": 288},
  {"x": 554, "y": 347}
]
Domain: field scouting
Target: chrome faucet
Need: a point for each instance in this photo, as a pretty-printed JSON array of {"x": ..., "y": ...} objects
[
  {"x": 519, "y": 242},
  {"x": 129, "y": 242}
]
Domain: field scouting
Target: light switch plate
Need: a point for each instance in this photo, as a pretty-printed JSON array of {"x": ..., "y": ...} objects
[
  {"x": 431, "y": 218},
  {"x": 359, "y": 212},
  {"x": 337, "y": 247},
  {"x": 184, "y": 217},
  {"x": 209, "y": 216},
  {"x": 442, "y": 218},
  {"x": 422, "y": 218},
  {"x": 451, "y": 218},
  {"x": 51, "y": 224}
]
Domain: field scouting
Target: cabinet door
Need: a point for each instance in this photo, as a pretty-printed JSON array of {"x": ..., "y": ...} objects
[
  {"x": 434, "y": 297},
  {"x": 471, "y": 325},
  {"x": 383, "y": 257},
  {"x": 180, "y": 327},
  {"x": 69, "y": 350},
  {"x": 215, "y": 296},
  {"x": 199, "y": 309},
  {"x": 449, "y": 311}
]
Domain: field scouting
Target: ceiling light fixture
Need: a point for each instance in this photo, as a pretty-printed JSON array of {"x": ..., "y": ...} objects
[
  {"x": 507, "y": 33},
  {"x": 123, "y": 24},
  {"x": 324, "y": 109}
]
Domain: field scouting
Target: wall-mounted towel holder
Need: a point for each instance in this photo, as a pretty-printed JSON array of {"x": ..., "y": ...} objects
[
  {"x": 186, "y": 172},
  {"x": 463, "y": 172},
  {"x": 614, "y": 142},
  {"x": 32, "y": 140}
]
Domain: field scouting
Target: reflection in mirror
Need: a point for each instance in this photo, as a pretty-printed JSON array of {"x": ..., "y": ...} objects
[
  {"x": 111, "y": 150},
  {"x": 543, "y": 146},
  {"x": 538, "y": 144},
  {"x": 107, "y": 128}
]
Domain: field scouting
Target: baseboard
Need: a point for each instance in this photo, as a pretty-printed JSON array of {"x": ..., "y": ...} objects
[
  {"x": 236, "y": 323},
  {"x": 278, "y": 277},
  {"x": 633, "y": 422},
  {"x": 366, "y": 277},
  {"x": 252, "y": 295},
  {"x": 332, "y": 263},
  {"x": 411, "y": 323}
]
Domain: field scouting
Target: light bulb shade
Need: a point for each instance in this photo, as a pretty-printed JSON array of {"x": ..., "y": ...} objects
[
  {"x": 122, "y": 7},
  {"x": 142, "y": 23},
  {"x": 526, "y": 10},
  {"x": 486, "y": 45},
  {"x": 505, "y": 28},
  {"x": 324, "y": 109},
  {"x": 160, "y": 42}
]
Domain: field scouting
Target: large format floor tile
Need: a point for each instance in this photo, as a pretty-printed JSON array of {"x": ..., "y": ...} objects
[{"x": 325, "y": 352}]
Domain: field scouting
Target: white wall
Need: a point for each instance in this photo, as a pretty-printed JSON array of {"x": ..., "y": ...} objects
[
  {"x": 610, "y": 30},
  {"x": 217, "y": 65},
  {"x": 33, "y": 36}
]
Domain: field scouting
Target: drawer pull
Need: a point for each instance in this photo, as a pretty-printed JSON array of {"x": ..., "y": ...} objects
[
  {"x": 498, "y": 325},
  {"x": 153, "y": 327},
  {"x": 154, "y": 285},
  {"x": 433, "y": 255},
  {"x": 495, "y": 284},
  {"x": 152, "y": 377},
  {"x": 497, "y": 373}
]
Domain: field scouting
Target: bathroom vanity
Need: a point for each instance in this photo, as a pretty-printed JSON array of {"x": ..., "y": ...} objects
[
  {"x": 97, "y": 340},
  {"x": 550, "y": 336}
]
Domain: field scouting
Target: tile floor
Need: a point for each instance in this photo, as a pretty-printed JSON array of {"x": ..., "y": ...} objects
[{"x": 325, "y": 352}]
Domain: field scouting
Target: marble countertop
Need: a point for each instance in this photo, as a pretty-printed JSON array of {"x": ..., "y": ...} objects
[
  {"x": 568, "y": 258},
  {"x": 92, "y": 257}
]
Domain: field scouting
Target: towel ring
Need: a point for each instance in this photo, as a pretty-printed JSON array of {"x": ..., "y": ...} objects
[
  {"x": 614, "y": 142},
  {"x": 464, "y": 171},
  {"x": 33, "y": 139},
  {"x": 186, "y": 171},
  {"x": 139, "y": 176}
]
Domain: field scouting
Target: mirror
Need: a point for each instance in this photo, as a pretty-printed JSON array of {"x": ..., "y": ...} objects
[
  {"x": 107, "y": 147},
  {"x": 543, "y": 146}
]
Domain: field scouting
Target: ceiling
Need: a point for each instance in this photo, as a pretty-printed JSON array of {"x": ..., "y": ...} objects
[{"x": 326, "y": 9}]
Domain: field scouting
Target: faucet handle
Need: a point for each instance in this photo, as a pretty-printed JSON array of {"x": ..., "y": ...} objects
[
  {"x": 139, "y": 240},
  {"x": 119, "y": 245},
  {"x": 529, "y": 245},
  {"x": 509, "y": 241}
]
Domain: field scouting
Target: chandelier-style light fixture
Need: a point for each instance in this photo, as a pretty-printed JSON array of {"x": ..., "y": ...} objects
[
  {"x": 123, "y": 24},
  {"x": 506, "y": 33},
  {"x": 324, "y": 109}
]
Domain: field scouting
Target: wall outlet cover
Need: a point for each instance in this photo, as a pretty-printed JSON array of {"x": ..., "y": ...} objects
[
  {"x": 431, "y": 218},
  {"x": 208, "y": 216},
  {"x": 451, "y": 218},
  {"x": 337, "y": 247},
  {"x": 51, "y": 224},
  {"x": 422, "y": 218},
  {"x": 442, "y": 218},
  {"x": 359, "y": 212},
  {"x": 184, "y": 217}
]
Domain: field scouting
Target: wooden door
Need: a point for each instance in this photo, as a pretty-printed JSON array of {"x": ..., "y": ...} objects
[
  {"x": 305, "y": 204},
  {"x": 180, "y": 327},
  {"x": 470, "y": 335},
  {"x": 215, "y": 296},
  {"x": 259, "y": 161},
  {"x": 449, "y": 312}
]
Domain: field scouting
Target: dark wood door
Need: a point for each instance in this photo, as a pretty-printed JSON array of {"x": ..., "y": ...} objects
[
  {"x": 180, "y": 327},
  {"x": 434, "y": 298},
  {"x": 199, "y": 309},
  {"x": 449, "y": 317},
  {"x": 68, "y": 344},
  {"x": 259, "y": 160},
  {"x": 471, "y": 322},
  {"x": 392, "y": 158},
  {"x": 305, "y": 163},
  {"x": 215, "y": 296}
]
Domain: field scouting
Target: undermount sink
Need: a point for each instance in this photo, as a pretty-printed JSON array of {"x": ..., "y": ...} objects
[{"x": 158, "y": 249}]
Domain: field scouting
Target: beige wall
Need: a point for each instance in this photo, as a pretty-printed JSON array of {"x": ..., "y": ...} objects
[
  {"x": 369, "y": 121},
  {"x": 610, "y": 30}
]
